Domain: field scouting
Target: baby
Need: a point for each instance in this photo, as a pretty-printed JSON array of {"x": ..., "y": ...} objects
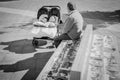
[{"x": 42, "y": 22}]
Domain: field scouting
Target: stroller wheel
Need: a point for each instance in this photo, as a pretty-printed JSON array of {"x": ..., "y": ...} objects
[{"x": 35, "y": 43}]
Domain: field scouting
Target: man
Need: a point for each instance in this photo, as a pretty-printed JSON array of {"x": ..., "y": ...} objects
[{"x": 72, "y": 26}]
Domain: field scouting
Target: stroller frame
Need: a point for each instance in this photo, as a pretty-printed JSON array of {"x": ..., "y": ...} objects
[{"x": 35, "y": 40}]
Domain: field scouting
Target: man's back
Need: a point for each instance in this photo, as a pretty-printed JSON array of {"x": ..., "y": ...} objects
[{"x": 73, "y": 25}]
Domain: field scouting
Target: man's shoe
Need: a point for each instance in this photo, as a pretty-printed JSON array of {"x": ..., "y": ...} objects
[{"x": 46, "y": 38}]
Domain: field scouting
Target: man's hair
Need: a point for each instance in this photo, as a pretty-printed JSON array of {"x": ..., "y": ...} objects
[{"x": 71, "y": 6}]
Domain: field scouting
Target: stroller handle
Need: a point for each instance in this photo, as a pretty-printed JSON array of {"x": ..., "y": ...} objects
[{"x": 52, "y": 6}]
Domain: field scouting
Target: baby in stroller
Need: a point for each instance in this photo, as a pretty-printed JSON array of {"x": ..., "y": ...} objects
[{"x": 48, "y": 18}]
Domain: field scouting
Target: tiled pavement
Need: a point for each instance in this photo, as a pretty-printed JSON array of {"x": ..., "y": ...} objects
[{"x": 19, "y": 60}]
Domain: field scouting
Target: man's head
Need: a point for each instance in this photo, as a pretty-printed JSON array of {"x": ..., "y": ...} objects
[{"x": 71, "y": 6}]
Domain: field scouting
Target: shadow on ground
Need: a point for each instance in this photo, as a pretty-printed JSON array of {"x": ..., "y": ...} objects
[
  {"x": 34, "y": 65},
  {"x": 7, "y": 0},
  {"x": 2, "y": 32},
  {"x": 22, "y": 46}
]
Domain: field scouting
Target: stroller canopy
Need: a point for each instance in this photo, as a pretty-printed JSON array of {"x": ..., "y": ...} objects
[{"x": 50, "y": 11}]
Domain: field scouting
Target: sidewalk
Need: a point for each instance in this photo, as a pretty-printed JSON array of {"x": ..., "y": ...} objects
[{"x": 19, "y": 60}]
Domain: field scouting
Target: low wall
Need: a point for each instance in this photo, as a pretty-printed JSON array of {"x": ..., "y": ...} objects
[
  {"x": 78, "y": 70},
  {"x": 69, "y": 59}
]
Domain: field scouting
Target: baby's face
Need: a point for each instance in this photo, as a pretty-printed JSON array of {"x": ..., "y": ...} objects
[{"x": 44, "y": 20}]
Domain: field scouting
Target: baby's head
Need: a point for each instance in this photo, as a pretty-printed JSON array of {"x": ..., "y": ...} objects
[
  {"x": 52, "y": 19},
  {"x": 43, "y": 18}
]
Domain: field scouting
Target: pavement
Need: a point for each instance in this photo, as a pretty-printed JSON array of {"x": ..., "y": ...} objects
[{"x": 19, "y": 60}]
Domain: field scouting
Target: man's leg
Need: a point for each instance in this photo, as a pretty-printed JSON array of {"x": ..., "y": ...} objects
[{"x": 58, "y": 39}]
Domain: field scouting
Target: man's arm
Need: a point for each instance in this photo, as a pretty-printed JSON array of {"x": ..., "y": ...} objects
[{"x": 68, "y": 24}]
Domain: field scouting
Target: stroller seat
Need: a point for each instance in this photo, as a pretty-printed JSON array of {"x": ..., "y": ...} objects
[
  {"x": 49, "y": 12},
  {"x": 54, "y": 14}
]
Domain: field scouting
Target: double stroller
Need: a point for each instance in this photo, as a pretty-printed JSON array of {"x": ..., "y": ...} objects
[{"x": 51, "y": 11}]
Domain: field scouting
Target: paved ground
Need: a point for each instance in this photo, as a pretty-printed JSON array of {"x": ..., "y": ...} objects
[{"x": 19, "y": 60}]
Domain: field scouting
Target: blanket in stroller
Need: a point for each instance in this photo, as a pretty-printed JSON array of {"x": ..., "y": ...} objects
[{"x": 44, "y": 31}]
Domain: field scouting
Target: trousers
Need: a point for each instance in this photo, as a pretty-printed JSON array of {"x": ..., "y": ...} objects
[{"x": 58, "y": 39}]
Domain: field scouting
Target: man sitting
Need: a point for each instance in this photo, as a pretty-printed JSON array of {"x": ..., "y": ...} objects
[{"x": 72, "y": 26}]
